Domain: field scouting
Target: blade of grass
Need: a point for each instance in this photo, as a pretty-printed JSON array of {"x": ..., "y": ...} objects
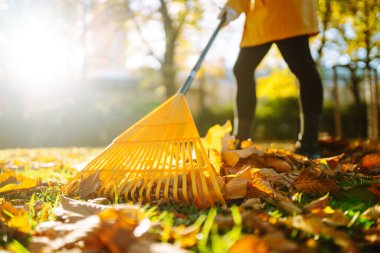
[{"x": 202, "y": 244}]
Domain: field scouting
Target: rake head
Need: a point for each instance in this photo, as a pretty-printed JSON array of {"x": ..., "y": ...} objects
[{"x": 159, "y": 157}]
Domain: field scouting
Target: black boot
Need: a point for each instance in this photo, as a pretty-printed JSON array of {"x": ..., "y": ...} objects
[
  {"x": 307, "y": 144},
  {"x": 242, "y": 129}
]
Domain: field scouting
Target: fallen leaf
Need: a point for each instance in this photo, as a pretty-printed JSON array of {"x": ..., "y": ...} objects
[
  {"x": 333, "y": 162},
  {"x": 259, "y": 187},
  {"x": 143, "y": 246},
  {"x": 309, "y": 182},
  {"x": 288, "y": 206},
  {"x": 215, "y": 159},
  {"x": 231, "y": 158},
  {"x": 372, "y": 213},
  {"x": 10, "y": 181},
  {"x": 86, "y": 185},
  {"x": 278, "y": 164},
  {"x": 14, "y": 218},
  {"x": 278, "y": 242},
  {"x": 372, "y": 235},
  {"x": 249, "y": 244},
  {"x": 73, "y": 210},
  {"x": 370, "y": 160},
  {"x": 214, "y": 136},
  {"x": 253, "y": 203},
  {"x": 337, "y": 219},
  {"x": 315, "y": 226},
  {"x": 237, "y": 187},
  {"x": 318, "y": 203}
]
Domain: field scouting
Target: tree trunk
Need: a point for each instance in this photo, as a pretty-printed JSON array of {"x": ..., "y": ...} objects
[
  {"x": 337, "y": 111},
  {"x": 354, "y": 84},
  {"x": 368, "y": 99},
  {"x": 367, "y": 75},
  {"x": 375, "y": 106},
  {"x": 168, "y": 69}
]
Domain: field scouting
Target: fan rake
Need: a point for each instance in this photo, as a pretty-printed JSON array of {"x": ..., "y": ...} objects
[{"x": 159, "y": 157}]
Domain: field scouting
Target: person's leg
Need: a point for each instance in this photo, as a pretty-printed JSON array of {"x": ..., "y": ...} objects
[
  {"x": 249, "y": 58},
  {"x": 296, "y": 53}
]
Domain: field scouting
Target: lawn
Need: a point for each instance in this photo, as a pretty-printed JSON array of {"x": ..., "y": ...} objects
[{"x": 276, "y": 201}]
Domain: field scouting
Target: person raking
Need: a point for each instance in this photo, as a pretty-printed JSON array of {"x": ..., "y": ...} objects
[{"x": 288, "y": 24}]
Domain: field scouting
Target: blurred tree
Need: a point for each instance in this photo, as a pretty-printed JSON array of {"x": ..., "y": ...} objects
[
  {"x": 173, "y": 17},
  {"x": 354, "y": 29}
]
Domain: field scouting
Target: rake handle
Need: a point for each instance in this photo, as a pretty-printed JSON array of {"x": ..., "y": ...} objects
[{"x": 183, "y": 89}]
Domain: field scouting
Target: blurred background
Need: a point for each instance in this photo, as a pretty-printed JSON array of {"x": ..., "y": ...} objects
[{"x": 80, "y": 72}]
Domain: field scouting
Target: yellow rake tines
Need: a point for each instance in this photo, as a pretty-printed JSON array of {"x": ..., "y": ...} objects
[{"x": 159, "y": 157}]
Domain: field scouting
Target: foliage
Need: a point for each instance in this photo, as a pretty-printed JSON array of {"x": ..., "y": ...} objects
[{"x": 279, "y": 84}]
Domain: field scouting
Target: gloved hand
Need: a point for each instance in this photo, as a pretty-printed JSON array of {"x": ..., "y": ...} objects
[{"x": 230, "y": 14}]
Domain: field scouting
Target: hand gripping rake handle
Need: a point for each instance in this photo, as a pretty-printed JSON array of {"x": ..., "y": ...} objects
[{"x": 183, "y": 89}]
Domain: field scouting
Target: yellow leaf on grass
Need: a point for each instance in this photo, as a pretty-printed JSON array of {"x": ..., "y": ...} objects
[
  {"x": 26, "y": 183},
  {"x": 249, "y": 244},
  {"x": 14, "y": 217},
  {"x": 10, "y": 181}
]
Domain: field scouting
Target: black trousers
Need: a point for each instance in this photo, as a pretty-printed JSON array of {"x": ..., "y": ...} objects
[{"x": 296, "y": 53}]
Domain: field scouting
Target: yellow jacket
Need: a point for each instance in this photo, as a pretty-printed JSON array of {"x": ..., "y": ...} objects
[{"x": 269, "y": 20}]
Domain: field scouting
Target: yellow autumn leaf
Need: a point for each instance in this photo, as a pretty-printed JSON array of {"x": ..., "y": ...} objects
[
  {"x": 249, "y": 244},
  {"x": 10, "y": 181},
  {"x": 213, "y": 138}
]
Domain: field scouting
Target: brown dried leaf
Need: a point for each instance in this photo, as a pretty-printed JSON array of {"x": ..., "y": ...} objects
[
  {"x": 66, "y": 235},
  {"x": 289, "y": 207},
  {"x": 278, "y": 242},
  {"x": 318, "y": 203},
  {"x": 143, "y": 246},
  {"x": 250, "y": 244},
  {"x": 309, "y": 182},
  {"x": 333, "y": 162},
  {"x": 236, "y": 188},
  {"x": 337, "y": 219},
  {"x": 372, "y": 235},
  {"x": 87, "y": 185},
  {"x": 372, "y": 213},
  {"x": 277, "y": 163},
  {"x": 118, "y": 228},
  {"x": 370, "y": 160},
  {"x": 253, "y": 203},
  {"x": 259, "y": 187},
  {"x": 73, "y": 210},
  {"x": 314, "y": 225}
]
